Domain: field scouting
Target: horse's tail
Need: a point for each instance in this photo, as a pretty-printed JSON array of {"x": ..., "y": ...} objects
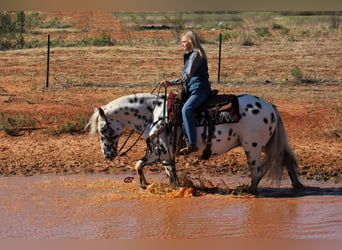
[
  {"x": 92, "y": 124},
  {"x": 279, "y": 154}
]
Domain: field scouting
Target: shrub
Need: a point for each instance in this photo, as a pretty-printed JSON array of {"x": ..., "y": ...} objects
[
  {"x": 65, "y": 45},
  {"x": 33, "y": 20},
  {"x": 11, "y": 31},
  {"x": 104, "y": 40},
  {"x": 75, "y": 125},
  {"x": 227, "y": 36},
  {"x": 54, "y": 23},
  {"x": 84, "y": 41},
  {"x": 262, "y": 32},
  {"x": 297, "y": 74},
  {"x": 246, "y": 39},
  {"x": 35, "y": 43},
  {"x": 246, "y": 34},
  {"x": 299, "y": 77},
  {"x": 276, "y": 26},
  {"x": 12, "y": 124},
  {"x": 56, "y": 41},
  {"x": 20, "y": 41},
  {"x": 284, "y": 31}
]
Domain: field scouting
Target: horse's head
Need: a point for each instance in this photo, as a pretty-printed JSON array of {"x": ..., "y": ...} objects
[{"x": 109, "y": 132}]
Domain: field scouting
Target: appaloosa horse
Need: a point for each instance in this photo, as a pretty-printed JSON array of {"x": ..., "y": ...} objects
[{"x": 260, "y": 131}]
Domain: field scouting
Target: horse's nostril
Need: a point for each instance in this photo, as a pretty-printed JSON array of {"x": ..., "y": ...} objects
[{"x": 111, "y": 155}]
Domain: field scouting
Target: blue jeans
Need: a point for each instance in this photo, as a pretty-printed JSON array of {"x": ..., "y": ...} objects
[{"x": 197, "y": 97}]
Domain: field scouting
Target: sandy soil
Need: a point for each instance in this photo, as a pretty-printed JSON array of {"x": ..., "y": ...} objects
[{"x": 87, "y": 76}]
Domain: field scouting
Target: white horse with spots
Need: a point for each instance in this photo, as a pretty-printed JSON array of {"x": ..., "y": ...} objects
[{"x": 260, "y": 131}]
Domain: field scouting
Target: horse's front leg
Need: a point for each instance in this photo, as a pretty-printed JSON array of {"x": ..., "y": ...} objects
[
  {"x": 170, "y": 169},
  {"x": 139, "y": 169}
]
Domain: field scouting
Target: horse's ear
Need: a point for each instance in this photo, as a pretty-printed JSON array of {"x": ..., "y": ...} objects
[{"x": 96, "y": 109}]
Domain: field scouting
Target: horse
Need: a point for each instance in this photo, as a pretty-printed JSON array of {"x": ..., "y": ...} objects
[{"x": 260, "y": 131}]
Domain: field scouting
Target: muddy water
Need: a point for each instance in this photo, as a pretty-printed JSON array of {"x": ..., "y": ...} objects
[{"x": 105, "y": 207}]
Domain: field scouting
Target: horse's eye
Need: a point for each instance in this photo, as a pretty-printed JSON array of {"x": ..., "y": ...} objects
[{"x": 103, "y": 130}]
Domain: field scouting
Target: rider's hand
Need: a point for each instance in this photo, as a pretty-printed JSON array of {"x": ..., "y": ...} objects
[{"x": 165, "y": 83}]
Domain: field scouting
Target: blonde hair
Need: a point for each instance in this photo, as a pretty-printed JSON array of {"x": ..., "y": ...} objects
[{"x": 193, "y": 38}]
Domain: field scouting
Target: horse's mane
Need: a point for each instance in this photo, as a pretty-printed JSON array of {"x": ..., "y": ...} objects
[{"x": 93, "y": 122}]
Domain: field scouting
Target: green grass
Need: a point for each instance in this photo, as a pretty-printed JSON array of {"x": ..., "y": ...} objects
[
  {"x": 54, "y": 23},
  {"x": 71, "y": 125},
  {"x": 13, "y": 123}
]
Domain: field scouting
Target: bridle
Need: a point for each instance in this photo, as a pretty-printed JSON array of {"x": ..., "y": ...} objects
[{"x": 142, "y": 132}]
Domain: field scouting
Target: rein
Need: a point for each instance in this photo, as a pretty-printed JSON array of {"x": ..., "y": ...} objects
[
  {"x": 129, "y": 136},
  {"x": 141, "y": 134},
  {"x": 136, "y": 141}
]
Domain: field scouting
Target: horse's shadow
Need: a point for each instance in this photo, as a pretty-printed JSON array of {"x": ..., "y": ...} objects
[
  {"x": 274, "y": 192},
  {"x": 206, "y": 186},
  {"x": 290, "y": 192}
]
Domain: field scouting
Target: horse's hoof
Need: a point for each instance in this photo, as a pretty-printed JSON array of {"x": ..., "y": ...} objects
[
  {"x": 144, "y": 186},
  {"x": 253, "y": 191},
  {"x": 174, "y": 182}
]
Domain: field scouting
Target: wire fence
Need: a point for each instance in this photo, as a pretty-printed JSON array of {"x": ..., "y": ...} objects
[{"x": 103, "y": 42}]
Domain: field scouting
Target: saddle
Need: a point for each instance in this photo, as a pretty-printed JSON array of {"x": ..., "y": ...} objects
[
  {"x": 217, "y": 109},
  {"x": 222, "y": 108}
]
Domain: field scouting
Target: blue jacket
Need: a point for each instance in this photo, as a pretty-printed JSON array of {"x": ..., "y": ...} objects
[{"x": 195, "y": 72}]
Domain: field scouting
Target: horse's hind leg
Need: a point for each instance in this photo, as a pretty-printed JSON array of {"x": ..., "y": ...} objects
[
  {"x": 256, "y": 168},
  {"x": 139, "y": 169},
  {"x": 291, "y": 165},
  {"x": 170, "y": 169}
]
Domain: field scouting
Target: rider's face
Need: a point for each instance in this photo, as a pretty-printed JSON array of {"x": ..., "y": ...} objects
[{"x": 186, "y": 44}]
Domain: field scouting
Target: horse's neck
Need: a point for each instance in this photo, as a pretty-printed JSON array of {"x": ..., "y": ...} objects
[{"x": 139, "y": 112}]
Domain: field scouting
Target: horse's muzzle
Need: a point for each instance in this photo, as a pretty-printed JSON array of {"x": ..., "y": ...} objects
[{"x": 110, "y": 154}]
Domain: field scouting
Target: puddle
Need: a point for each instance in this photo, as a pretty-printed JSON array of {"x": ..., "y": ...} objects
[{"x": 106, "y": 207}]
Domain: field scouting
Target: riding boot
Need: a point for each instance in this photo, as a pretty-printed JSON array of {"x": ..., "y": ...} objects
[{"x": 189, "y": 149}]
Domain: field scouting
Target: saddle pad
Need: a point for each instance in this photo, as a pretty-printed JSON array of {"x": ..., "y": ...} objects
[{"x": 225, "y": 116}]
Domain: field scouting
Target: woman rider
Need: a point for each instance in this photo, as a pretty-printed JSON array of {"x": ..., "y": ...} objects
[{"x": 195, "y": 81}]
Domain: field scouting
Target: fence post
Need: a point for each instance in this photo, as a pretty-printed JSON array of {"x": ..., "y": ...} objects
[
  {"x": 48, "y": 63},
  {"x": 219, "y": 60}
]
